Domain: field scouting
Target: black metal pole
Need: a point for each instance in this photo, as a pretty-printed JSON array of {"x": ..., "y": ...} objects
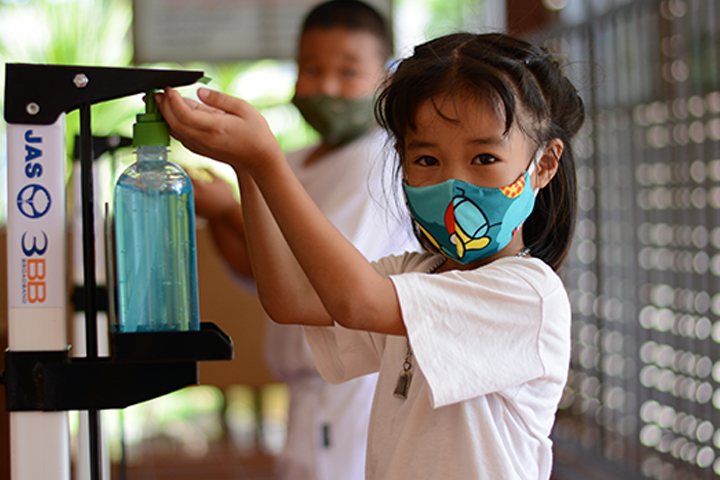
[
  {"x": 88, "y": 221},
  {"x": 94, "y": 427}
]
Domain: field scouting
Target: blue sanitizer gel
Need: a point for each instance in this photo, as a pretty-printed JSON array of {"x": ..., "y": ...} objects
[{"x": 155, "y": 238}]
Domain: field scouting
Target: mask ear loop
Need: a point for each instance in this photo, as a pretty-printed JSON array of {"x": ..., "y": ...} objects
[{"x": 533, "y": 164}]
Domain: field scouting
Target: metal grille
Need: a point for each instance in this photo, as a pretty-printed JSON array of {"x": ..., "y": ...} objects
[{"x": 643, "y": 275}]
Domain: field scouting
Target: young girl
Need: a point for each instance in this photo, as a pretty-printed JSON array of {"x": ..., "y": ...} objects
[{"x": 472, "y": 337}]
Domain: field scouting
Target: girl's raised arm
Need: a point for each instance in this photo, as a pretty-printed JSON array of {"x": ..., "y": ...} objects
[{"x": 345, "y": 287}]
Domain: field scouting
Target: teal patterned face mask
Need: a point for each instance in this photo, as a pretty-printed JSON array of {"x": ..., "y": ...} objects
[
  {"x": 338, "y": 120},
  {"x": 466, "y": 222}
]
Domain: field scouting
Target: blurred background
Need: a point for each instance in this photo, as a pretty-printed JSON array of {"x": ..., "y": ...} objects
[{"x": 643, "y": 397}]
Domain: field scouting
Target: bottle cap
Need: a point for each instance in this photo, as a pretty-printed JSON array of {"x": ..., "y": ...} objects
[{"x": 150, "y": 128}]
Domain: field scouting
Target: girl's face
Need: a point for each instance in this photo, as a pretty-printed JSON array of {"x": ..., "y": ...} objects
[
  {"x": 460, "y": 138},
  {"x": 338, "y": 62}
]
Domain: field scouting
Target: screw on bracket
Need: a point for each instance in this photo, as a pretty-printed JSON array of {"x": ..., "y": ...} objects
[
  {"x": 32, "y": 108},
  {"x": 81, "y": 80}
]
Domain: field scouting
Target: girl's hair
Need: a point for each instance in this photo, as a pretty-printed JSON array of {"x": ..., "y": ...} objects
[
  {"x": 351, "y": 15},
  {"x": 526, "y": 86}
]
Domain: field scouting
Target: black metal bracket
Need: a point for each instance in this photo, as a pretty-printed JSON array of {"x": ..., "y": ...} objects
[
  {"x": 101, "y": 145},
  {"x": 141, "y": 366},
  {"x": 50, "y": 381},
  {"x": 38, "y": 94},
  {"x": 102, "y": 298}
]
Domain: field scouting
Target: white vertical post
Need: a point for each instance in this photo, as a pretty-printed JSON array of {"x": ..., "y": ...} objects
[{"x": 37, "y": 285}]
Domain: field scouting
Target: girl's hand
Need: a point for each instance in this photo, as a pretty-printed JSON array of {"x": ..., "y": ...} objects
[
  {"x": 306, "y": 271},
  {"x": 222, "y": 127}
]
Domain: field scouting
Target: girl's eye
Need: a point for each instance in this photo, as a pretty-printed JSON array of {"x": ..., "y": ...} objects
[
  {"x": 484, "y": 159},
  {"x": 426, "y": 161},
  {"x": 348, "y": 73}
]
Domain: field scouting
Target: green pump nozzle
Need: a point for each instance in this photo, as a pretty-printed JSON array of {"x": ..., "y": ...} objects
[{"x": 150, "y": 128}]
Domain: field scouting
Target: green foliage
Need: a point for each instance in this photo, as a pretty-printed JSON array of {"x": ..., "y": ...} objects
[
  {"x": 73, "y": 32},
  {"x": 93, "y": 32},
  {"x": 448, "y": 16}
]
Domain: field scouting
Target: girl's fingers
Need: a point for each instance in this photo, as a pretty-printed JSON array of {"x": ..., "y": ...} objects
[
  {"x": 181, "y": 112},
  {"x": 164, "y": 102},
  {"x": 218, "y": 126},
  {"x": 193, "y": 105},
  {"x": 222, "y": 102}
]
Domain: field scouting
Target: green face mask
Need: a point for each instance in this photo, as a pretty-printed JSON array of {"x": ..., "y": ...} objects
[{"x": 338, "y": 120}]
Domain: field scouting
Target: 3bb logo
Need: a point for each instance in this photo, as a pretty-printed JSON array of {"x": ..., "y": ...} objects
[{"x": 33, "y": 201}]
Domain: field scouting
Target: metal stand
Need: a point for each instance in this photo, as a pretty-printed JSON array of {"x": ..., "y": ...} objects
[{"x": 141, "y": 366}]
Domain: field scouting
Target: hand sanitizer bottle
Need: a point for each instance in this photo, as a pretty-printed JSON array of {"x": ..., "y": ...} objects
[{"x": 155, "y": 235}]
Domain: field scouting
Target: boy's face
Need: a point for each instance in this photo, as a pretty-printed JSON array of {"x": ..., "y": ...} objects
[{"x": 338, "y": 62}]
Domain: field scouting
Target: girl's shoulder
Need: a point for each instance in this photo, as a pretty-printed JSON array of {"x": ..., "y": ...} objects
[
  {"x": 508, "y": 272},
  {"x": 522, "y": 271},
  {"x": 526, "y": 272},
  {"x": 428, "y": 262}
]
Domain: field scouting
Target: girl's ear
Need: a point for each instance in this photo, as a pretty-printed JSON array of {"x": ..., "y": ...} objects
[{"x": 547, "y": 165}]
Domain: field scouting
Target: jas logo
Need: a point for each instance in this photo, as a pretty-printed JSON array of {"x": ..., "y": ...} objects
[{"x": 34, "y": 201}]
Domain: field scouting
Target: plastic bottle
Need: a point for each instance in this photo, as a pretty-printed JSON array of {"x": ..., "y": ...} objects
[{"x": 155, "y": 235}]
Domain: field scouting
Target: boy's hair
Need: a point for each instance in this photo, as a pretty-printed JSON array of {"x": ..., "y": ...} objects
[
  {"x": 352, "y": 15},
  {"x": 526, "y": 86}
]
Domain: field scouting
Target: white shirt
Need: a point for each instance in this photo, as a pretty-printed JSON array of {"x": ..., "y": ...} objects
[
  {"x": 327, "y": 424},
  {"x": 491, "y": 351}
]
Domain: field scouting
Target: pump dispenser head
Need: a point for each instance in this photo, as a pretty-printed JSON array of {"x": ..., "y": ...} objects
[{"x": 150, "y": 128}]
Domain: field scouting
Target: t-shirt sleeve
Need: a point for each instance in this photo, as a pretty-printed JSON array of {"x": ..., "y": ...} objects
[
  {"x": 341, "y": 354},
  {"x": 477, "y": 332}
]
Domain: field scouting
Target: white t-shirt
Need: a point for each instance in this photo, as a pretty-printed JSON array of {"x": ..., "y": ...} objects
[
  {"x": 327, "y": 424},
  {"x": 491, "y": 351}
]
